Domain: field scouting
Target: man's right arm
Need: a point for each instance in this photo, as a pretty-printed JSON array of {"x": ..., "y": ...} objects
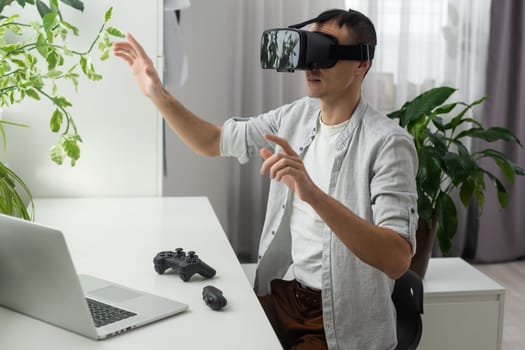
[{"x": 200, "y": 135}]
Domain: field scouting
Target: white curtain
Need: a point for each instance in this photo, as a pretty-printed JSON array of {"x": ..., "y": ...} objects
[
  {"x": 421, "y": 44},
  {"x": 257, "y": 91},
  {"x": 424, "y": 44}
]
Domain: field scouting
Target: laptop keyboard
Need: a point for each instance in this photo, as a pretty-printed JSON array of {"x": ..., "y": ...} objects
[{"x": 104, "y": 314}]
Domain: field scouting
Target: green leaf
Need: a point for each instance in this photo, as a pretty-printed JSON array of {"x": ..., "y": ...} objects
[
  {"x": 445, "y": 108},
  {"x": 11, "y": 47},
  {"x": 71, "y": 27},
  {"x": 67, "y": 51},
  {"x": 447, "y": 221},
  {"x": 108, "y": 14},
  {"x": 503, "y": 196},
  {"x": 72, "y": 149},
  {"x": 50, "y": 20},
  {"x": 53, "y": 74},
  {"x": 76, "y": 4},
  {"x": 57, "y": 154},
  {"x": 4, "y": 143},
  {"x": 105, "y": 55},
  {"x": 41, "y": 45},
  {"x": 466, "y": 191},
  {"x": 438, "y": 141},
  {"x": 505, "y": 166},
  {"x": 438, "y": 123},
  {"x": 491, "y": 134},
  {"x": 464, "y": 120},
  {"x": 424, "y": 207},
  {"x": 459, "y": 119},
  {"x": 19, "y": 63},
  {"x": 61, "y": 101},
  {"x": 33, "y": 94},
  {"x": 115, "y": 32},
  {"x": 10, "y": 195},
  {"x": 479, "y": 189},
  {"x": 53, "y": 59},
  {"x": 429, "y": 172},
  {"x": 53, "y": 4},
  {"x": 426, "y": 102},
  {"x": 455, "y": 167},
  {"x": 30, "y": 59},
  {"x": 56, "y": 120},
  {"x": 84, "y": 65},
  {"x": 42, "y": 8},
  {"x": 518, "y": 170},
  {"x": 462, "y": 150}
]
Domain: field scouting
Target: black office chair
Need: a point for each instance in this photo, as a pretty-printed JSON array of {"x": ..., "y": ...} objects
[{"x": 408, "y": 300}]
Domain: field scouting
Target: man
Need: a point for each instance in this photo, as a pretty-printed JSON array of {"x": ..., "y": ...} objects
[{"x": 341, "y": 208}]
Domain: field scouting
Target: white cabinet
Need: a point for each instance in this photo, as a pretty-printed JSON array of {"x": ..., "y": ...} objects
[{"x": 463, "y": 308}]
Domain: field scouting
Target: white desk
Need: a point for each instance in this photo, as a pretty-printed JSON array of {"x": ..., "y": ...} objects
[
  {"x": 463, "y": 308},
  {"x": 116, "y": 239}
]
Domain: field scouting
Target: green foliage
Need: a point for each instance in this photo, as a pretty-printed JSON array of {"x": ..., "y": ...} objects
[
  {"x": 30, "y": 67},
  {"x": 445, "y": 163},
  {"x": 11, "y": 201}
]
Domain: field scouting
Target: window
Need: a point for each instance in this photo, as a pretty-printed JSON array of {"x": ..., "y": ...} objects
[{"x": 425, "y": 43}]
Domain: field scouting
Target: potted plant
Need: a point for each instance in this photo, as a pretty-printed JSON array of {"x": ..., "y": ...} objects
[
  {"x": 446, "y": 164},
  {"x": 34, "y": 56}
]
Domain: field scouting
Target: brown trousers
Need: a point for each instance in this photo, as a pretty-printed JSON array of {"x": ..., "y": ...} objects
[{"x": 296, "y": 315}]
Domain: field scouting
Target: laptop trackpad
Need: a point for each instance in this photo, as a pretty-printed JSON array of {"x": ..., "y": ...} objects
[{"x": 115, "y": 294}]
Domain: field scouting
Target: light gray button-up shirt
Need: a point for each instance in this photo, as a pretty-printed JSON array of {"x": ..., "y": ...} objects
[{"x": 374, "y": 175}]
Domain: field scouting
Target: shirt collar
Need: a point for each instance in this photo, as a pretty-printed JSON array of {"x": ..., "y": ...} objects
[{"x": 359, "y": 112}]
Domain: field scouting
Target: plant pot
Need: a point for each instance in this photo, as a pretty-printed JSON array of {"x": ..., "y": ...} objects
[{"x": 425, "y": 238}]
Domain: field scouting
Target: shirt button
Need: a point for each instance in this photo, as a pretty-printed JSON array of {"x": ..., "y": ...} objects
[
  {"x": 273, "y": 232},
  {"x": 284, "y": 206},
  {"x": 412, "y": 210},
  {"x": 260, "y": 257},
  {"x": 300, "y": 149}
]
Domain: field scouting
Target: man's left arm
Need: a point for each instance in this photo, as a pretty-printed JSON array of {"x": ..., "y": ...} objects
[{"x": 380, "y": 247}]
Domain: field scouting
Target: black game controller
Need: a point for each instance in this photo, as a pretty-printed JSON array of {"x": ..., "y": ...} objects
[
  {"x": 186, "y": 265},
  {"x": 213, "y": 297}
]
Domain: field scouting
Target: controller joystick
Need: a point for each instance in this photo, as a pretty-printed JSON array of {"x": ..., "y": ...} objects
[
  {"x": 179, "y": 252},
  {"x": 186, "y": 265}
]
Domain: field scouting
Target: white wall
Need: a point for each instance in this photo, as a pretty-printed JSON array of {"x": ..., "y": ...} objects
[
  {"x": 208, "y": 28},
  {"x": 121, "y": 153},
  {"x": 120, "y": 128}
]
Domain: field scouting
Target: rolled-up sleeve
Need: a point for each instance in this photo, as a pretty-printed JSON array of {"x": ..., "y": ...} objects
[
  {"x": 393, "y": 187},
  {"x": 243, "y": 137}
]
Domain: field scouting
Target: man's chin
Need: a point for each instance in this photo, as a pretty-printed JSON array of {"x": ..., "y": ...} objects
[{"x": 312, "y": 93}]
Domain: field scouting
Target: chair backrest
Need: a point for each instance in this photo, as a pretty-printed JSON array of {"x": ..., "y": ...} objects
[{"x": 408, "y": 300}]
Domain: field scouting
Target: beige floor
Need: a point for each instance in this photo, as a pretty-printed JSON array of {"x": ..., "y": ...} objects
[{"x": 512, "y": 277}]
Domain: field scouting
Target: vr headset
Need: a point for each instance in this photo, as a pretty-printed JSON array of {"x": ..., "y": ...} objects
[{"x": 288, "y": 49}]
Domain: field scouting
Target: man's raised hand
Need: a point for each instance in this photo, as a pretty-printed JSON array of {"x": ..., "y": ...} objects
[
  {"x": 287, "y": 167},
  {"x": 141, "y": 65}
]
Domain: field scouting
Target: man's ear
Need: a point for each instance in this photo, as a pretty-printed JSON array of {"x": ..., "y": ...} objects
[{"x": 363, "y": 67}]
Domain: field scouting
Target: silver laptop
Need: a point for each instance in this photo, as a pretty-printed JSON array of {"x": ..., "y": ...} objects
[{"x": 37, "y": 278}]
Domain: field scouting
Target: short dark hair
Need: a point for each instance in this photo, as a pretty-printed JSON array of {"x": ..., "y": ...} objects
[{"x": 361, "y": 26}]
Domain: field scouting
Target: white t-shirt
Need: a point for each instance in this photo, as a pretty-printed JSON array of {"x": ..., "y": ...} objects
[{"x": 306, "y": 226}]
